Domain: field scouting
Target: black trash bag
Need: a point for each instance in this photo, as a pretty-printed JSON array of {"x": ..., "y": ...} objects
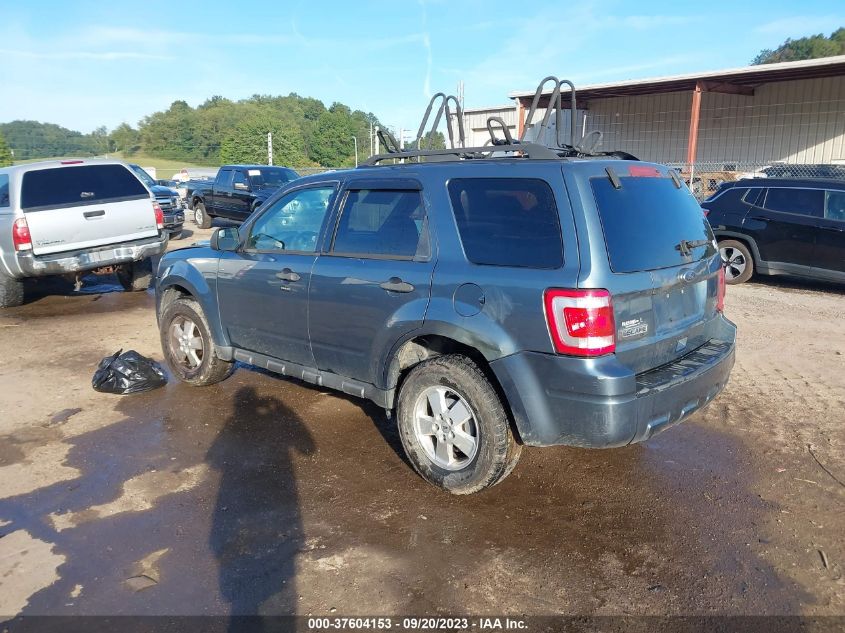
[{"x": 125, "y": 373}]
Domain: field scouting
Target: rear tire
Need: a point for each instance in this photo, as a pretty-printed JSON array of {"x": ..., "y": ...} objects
[
  {"x": 11, "y": 291},
  {"x": 192, "y": 361},
  {"x": 135, "y": 276},
  {"x": 201, "y": 217},
  {"x": 738, "y": 261},
  {"x": 453, "y": 426}
]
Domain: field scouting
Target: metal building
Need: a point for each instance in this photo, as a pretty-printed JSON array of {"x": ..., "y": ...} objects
[{"x": 729, "y": 120}]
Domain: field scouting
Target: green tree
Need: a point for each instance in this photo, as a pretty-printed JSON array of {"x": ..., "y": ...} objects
[
  {"x": 247, "y": 142},
  {"x": 811, "y": 47},
  {"x": 331, "y": 143},
  {"x": 124, "y": 138},
  {"x": 5, "y": 153}
]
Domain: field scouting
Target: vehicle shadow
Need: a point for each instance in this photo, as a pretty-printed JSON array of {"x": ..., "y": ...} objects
[{"x": 256, "y": 527}]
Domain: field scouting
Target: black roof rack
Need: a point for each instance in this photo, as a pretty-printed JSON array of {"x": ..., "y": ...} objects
[{"x": 506, "y": 147}]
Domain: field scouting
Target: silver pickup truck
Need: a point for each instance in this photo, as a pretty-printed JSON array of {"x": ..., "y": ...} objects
[{"x": 69, "y": 217}]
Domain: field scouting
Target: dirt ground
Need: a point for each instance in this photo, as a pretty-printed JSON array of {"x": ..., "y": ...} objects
[{"x": 264, "y": 495}]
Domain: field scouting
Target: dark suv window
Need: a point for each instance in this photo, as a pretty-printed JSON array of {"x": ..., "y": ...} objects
[
  {"x": 507, "y": 221},
  {"x": 4, "y": 190},
  {"x": 87, "y": 184},
  {"x": 645, "y": 220},
  {"x": 801, "y": 201},
  {"x": 382, "y": 223},
  {"x": 834, "y": 205}
]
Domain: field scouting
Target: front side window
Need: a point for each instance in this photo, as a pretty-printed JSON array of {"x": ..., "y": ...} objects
[
  {"x": 240, "y": 179},
  {"x": 385, "y": 223},
  {"x": 800, "y": 201},
  {"x": 292, "y": 223},
  {"x": 507, "y": 221},
  {"x": 834, "y": 205},
  {"x": 271, "y": 177}
]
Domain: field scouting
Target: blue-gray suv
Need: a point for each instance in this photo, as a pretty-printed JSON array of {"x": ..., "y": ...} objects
[{"x": 490, "y": 301}]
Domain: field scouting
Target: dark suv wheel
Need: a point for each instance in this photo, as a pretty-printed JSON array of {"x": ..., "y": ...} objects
[
  {"x": 201, "y": 217},
  {"x": 738, "y": 261},
  {"x": 453, "y": 426},
  {"x": 188, "y": 346}
]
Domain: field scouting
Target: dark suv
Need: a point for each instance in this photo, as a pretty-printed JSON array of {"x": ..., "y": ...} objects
[
  {"x": 779, "y": 226},
  {"x": 490, "y": 302}
]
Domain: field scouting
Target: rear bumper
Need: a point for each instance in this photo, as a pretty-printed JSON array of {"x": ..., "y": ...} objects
[
  {"x": 599, "y": 403},
  {"x": 90, "y": 259}
]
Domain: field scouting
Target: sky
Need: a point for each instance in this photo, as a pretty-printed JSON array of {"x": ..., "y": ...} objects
[{"x": 87, "y": 63}]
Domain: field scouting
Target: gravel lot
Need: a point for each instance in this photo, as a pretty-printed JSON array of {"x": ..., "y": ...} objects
[{"x": 264, "y": 495}]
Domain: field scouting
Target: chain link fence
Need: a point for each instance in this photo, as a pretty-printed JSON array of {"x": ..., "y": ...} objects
[{"x": 704, "y": 178}]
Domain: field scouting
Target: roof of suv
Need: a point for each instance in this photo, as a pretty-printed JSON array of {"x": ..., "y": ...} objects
[{"x": 796, "y": 183}]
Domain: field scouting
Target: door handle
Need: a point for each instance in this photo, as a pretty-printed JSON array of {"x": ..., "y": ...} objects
[
  {"x": 288, "y": 275},
  {"x": 94, "y": 214},
  {"x": 395, "y": 284}
]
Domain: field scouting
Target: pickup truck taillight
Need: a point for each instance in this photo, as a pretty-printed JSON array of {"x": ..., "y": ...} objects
[
  {"x": 720, "y": 291},
  {"x": 581, "y": 321},
  {"x": 20, "y": 235},
  {"x": 159, "y": 215}
]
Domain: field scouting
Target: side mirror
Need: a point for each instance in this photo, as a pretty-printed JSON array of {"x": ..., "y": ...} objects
[
  {"x": 241, "y": 186},
  {"x": 225, "y": 239}
]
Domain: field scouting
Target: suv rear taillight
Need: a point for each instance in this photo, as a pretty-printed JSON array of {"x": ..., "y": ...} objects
[
  {"x": 581, "y": 321},
  {"x": 159, "y": 215},
  {"x": 21, "y": 238},
  {"x": 720, "y": 291}
]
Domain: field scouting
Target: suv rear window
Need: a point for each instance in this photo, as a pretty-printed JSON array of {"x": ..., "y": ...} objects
[
  {"x": 645, "y": 220},
  {"x": 74, "y": 186},
  {"x": 507, "y": 221}
]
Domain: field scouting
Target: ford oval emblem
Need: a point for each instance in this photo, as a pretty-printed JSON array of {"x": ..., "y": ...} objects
[{"x": 688, "y": 276}]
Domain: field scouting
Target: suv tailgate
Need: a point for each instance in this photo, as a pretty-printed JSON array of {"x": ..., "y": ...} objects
[
  {"x": 664, "y": 262},
  {"x": 83, "y": 206}
]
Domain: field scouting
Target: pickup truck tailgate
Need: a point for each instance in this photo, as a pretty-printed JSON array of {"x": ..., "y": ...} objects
[{"x": 78, "y": 207}]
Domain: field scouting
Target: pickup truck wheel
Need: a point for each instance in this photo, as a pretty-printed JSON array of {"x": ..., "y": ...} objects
[
  {"x": 738, "y": 261},
  {"x": 187, "y": 344},
  {"x": 201, "y": 217},
  {"x": 135, "y": 276},
  {"x": 453, "y": 426},
  {"x": 11, "y": 291}
]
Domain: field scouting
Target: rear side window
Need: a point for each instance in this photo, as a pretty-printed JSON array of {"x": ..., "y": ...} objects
[
  {"x": 74, "y": 186},
  {"x": 834, "y": 204},
  {"x": 383, "y": 223},
  {"x": 507, "y": 221},
  {"x": 645, "y": 221},
  {"x": 224, "y": 179},
  {"x": 801, "y": 201},
  {"x": 4, "y": 190}
]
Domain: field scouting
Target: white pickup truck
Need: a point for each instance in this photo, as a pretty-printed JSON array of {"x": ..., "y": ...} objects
[{"x": 68, "y": 217}]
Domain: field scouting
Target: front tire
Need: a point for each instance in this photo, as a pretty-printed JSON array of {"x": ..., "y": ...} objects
[
  {"x": 187, "y": 344},
  {"x": 201, "y": 217},
  {"x": 11, "y": 291},
  {"x": 738, "y": 261},
  {"x": 453, "y": 426},
  {"x": 135, "y": 276}
]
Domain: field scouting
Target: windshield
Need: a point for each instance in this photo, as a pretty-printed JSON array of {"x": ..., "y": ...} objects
[
  {"x": 650, "y": 223},
  {"x": 144, "y": 176},
  {"x": 263, "y": 177}
]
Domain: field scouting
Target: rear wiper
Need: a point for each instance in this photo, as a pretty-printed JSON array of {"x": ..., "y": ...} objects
[{"x": 686, "y": 246}]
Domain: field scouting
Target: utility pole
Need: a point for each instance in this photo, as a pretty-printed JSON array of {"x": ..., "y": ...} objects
[
  {"x": 269, "y": 148},
  {"x": 378, "y": 143},
  {"x": 355, "y": 140},
  {"x": 371, "y": 138}
]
